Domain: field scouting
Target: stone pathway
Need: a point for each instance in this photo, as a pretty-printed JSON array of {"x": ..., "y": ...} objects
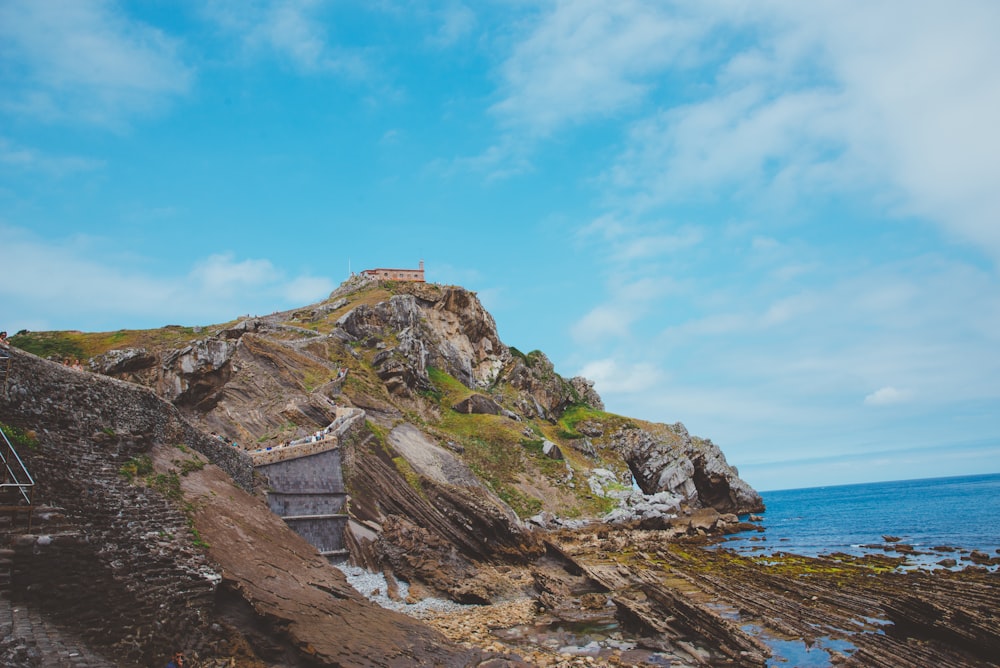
[{"x": 27, "y": 640}]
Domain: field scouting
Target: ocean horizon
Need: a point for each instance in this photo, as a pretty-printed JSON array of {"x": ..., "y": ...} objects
[{"x": 940, "y": 518}]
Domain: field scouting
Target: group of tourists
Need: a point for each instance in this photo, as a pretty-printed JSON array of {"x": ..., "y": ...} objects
[{"x": 225, "y": 440}]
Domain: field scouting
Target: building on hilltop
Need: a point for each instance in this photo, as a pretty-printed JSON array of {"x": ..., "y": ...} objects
[{"x": 380, "y": 274}]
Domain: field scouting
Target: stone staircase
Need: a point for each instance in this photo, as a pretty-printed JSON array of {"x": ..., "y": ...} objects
[
  {"x": 306, "y": 486},
  {"x": 27, "y": 637}
]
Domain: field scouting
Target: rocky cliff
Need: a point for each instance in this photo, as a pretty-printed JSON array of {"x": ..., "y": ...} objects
[
  {"x": 474, "y": 472},
  {"x": 144, "y": 546},
  {"x": 428, "y": 356},
  {"x": 469, "y": 447}
]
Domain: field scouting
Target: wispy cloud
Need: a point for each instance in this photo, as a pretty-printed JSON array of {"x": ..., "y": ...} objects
[
  {"x": 23, "y": 158},
  {"x": 885, "y": 396},
  {"x": 794, "y": 101},
  {"x": 917, "y": 336},
  {"x": 296, "y": 30},
  {"x": 62, "y": 283},
  {"x": 85, "y": 61},
  {"x": 586, "y": 59},
  {"x": 612, "y": 376},
  {"x": 455, "y": 22},
  {"x": 825, "y": 102}
]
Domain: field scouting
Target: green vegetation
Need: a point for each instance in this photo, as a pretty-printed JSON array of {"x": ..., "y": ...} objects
[
  {"x": 139, "y": 466},
  {"x": 20, "y": 437},
  {"x": 522, "y": 504},
  {"x": 196, "y": 538},
  {"x": 499, "y": 465},
  {"x": 49, "y": 344},
  {"x": 412, "y": 477},
  {"x": 579, "y": 413},
  {"x": 190, "y": 465},
  {"x": 167, "y": 484},
  {"x": 84, "y": 345},
  {"x": 447, "y": 389},
  {"x": 377, "y": 431},
  {"x": 550, "y": 467}
]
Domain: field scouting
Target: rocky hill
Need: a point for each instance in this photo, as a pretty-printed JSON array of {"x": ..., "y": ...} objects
[{"x": 470, "y": 451}]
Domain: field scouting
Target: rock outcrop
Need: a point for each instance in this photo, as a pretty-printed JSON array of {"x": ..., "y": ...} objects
[
  {"x": 447, "y": 328},
  {"x": 462, "y": 432},
  {"x": 155, "y": 548},
  {"x": 665, "y": 458}
]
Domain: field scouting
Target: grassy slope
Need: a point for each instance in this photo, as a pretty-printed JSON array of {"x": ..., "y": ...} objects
[{"x": 504, "y": 453}]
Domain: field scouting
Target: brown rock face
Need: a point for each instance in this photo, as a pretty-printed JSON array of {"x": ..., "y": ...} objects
[
  {"x": 244, "y": 586},
  {"x": 460, "y": 431},
  {"x": 544, "y": 393},
  {"x": 446, "y": 328},
  {"x": 666, "y": 458}
]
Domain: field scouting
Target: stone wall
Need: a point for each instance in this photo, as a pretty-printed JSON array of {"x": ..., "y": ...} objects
[
  {"x": 293, "y": 504},
  {"x": 315, "y": 474},
  {"x": 324, "y": 532},
  {"x": 108, "y": 556},
  {"x": 45, "y": 396},
  {"x": 309, "y": 493}
]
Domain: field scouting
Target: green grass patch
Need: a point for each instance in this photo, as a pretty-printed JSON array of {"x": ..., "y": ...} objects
[
  {"x": 496, "y": 463},
  {"x": 522, "y": 504},
  {"x": 412, "y": 477},
  {"x": 196, "y": 538},
  {"x": 84, "y": 345},
  {"x": 138, "y": 467},
  {"x": 167, "y": 484},
  {"x": 578, "y": 413},
  {"x": 20, "y": 437},
  {"x": 447, "y": 389},
  {"x": 59, "y": 345},
  {"x": 187, "y": 466}
]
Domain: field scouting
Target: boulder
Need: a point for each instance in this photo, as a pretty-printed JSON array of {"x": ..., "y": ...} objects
[
  {"x": 477, "y": 404},
  {"x": 551, "y": 450},
  {"x": 667, "y": 458}
]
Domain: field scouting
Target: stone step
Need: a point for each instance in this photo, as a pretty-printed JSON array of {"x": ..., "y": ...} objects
[
  {"x": 334, "y": 553},
  {"x": 314, "y": 517}
]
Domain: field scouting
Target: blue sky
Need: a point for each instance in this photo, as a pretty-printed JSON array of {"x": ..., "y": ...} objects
[{"x": 774, "y": 221}]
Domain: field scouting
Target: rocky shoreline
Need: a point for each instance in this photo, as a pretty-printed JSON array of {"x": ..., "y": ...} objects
[{"x": 612, "y": 596}]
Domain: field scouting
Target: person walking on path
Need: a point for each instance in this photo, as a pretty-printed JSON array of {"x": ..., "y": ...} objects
[{"x": 177, "y": 661}]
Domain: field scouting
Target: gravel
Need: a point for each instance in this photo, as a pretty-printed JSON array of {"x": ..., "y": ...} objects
[{"x": 373, "y": 586}]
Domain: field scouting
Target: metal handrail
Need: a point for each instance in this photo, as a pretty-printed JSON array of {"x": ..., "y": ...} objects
[{"x": 14, "y": 474}]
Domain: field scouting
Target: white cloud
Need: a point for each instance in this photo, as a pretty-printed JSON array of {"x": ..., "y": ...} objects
[
  {"x": 613, "y": 320},
  {"x": 611, "y": 376},
  {"x": 586, "y": 59},
  {"x": 294, "y": 29},
  {"x": 886, "y": 396},
  {"x": 828, "y": 100},
  {"x": 222, "y": 276},
  {"x": 604, "y": 322},
  {"x": 85, "y": 61},
  {"x": 63, "y": 284},
  {"x": 456, "y": 22},
  {"x": 30, "y": 159},
  {"x": 776, "y": 104},
  {"x": 306, "y": 289}
]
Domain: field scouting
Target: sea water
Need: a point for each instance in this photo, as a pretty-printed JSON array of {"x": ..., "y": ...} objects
[{"x": 958, "y": 512}]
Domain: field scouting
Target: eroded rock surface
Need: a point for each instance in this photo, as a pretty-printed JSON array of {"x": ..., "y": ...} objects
[
  {"x": 243, "y": 587},
  {"x": 665, "y": 458}
]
